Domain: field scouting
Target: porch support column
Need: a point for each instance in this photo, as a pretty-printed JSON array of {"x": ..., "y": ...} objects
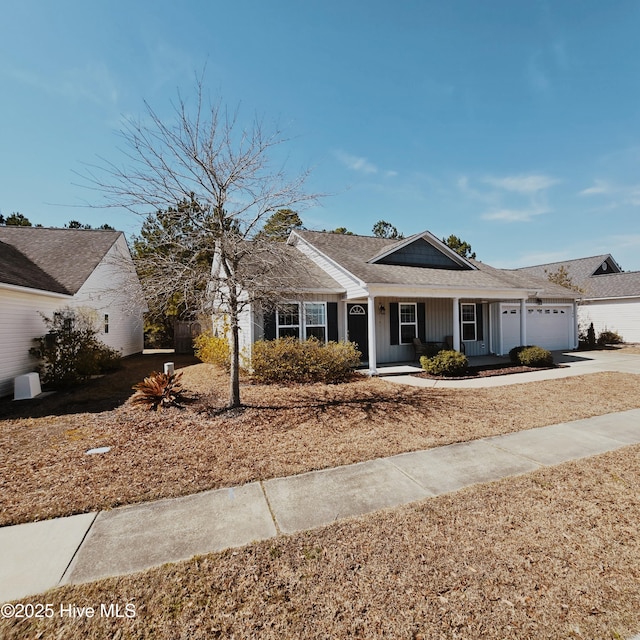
[
  {"x": 456, "y": 324},
  {"x": 371, "y": 327},
  {"x": 523, "y": 322}
]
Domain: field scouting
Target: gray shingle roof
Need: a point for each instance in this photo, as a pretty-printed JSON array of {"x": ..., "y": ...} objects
[
  {"x": 613, "y": 285},
  {"x": 56, "y": 260},
  {"x": 578, "y": 270},
  {"x": 354, "y": 253},
  {"x": 603, "y": 285}
]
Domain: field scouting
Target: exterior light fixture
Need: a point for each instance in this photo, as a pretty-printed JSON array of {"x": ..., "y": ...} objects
[{"x": 381, "y": 310}]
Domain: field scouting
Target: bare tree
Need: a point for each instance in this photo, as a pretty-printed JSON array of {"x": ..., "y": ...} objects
[{"x": 226, "y": 176}]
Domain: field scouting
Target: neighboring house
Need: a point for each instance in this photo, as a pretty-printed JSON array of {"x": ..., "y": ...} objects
[
  {"x": 43, "y": 270},
  {"x": 383, "y": 293},
  {"x": 609, "y": 297}
]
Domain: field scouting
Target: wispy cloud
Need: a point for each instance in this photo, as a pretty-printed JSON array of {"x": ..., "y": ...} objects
[
  {"x": 92, "y": 82},
  {"x": 527, "y": 184},
  {"x": 356, "y": 163},
  {"x": 514, "y": 215},
  {"x": 620, "y": 194},
  {"x": 508, "y": 199},
  {"x": 600, "y": 187}
]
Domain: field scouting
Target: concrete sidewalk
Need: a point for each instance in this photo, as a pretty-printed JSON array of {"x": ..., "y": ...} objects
[{"x": 41, "y": 555}]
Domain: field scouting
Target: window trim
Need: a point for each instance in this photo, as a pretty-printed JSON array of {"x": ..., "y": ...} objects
[
  {"x": 324, "y": 326},
  {"x": 302, "y": 319},
  {"x": 288, "y": 326},
  {"x": 413, "y": 324},
  {"x": 473, "y": 323}
]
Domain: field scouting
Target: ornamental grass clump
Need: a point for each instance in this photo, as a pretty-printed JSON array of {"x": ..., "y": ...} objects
[
  {"x": 288, "y": 360},
  {"x": 159, "y": 391},
  {"x": 445, "y": 363}
]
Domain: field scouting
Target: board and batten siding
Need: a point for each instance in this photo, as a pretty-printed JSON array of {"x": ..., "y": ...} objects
[
  {"x": 438, "y": 326},
  {"x": 20, "y": 323},
  {"x": 621, "y": 316}
]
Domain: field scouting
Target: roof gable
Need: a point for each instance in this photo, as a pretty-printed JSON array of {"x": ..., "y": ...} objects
[
  {"x": 422, "y": 250},
  {"x": 56, "y": 260},
  {"x": 607, "y": 266}
]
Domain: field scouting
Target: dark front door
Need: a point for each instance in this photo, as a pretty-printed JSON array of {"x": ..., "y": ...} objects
[{"x": 357, "y": 327}]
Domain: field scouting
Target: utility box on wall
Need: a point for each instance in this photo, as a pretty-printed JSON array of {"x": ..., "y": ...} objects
[{"x": 26, "y": 387}]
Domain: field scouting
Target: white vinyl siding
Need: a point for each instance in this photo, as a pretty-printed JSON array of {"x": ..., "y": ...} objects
[
  {"x": 621, "y": 316},
  {"x": 20, "y": 323}
]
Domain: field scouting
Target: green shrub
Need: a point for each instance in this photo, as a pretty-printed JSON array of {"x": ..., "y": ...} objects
[
  {"x": 445, "y": 363},
  {"x": 159, "y": 391},
  {"x": 514, "y": 354},
  {"x": 591, "y": 336},
  {"x": 70, "y": 351},
  {"x": 609, "y": 337},
  {"x": 535, "y": 357},
  {"x": 213, "y": 349},
  {"x": 289, "y": 360}
]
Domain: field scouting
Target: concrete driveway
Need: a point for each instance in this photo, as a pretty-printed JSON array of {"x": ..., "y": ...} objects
[{"x": 573, "y": 363}]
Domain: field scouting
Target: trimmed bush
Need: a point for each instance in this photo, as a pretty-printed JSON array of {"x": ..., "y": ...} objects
[
  {"x": 289, "y": 360},
  {"x": 609, "y": 337},
  {"x": 514, "y": 354},
  {"x": 213, "y": 349},
  {"x": 535, "y": 357},
  {"x": 445, "y": 363}
]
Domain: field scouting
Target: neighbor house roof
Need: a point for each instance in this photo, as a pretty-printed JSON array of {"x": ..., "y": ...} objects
[
  {"x": 55, "y": 260},
  {"x": 613, "y": 285},
  {"x": 578, "y": 271},
  {"x": 356, "y": 253}
]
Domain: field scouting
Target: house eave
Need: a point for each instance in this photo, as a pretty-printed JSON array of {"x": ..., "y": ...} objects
[
  {"x": 34, "y": 291},
  {"x": 604, "y": 298},
  {"x": 444, "y": 291}
]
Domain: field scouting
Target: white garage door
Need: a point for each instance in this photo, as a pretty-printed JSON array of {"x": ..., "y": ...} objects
[{"x": 549, "y": 327}]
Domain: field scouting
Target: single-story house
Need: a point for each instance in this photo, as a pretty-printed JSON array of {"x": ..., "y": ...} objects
[
  {"x": 43, "y": 270},
  {"x": 609, "y": 297},
  {"x": 383, "y": 293}
]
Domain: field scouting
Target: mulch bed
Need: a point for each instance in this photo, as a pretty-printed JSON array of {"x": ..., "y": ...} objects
[{"x": 487, "y": 371}]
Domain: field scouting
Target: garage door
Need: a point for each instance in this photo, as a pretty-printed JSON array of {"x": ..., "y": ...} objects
[{"x": 549, "y": 327}]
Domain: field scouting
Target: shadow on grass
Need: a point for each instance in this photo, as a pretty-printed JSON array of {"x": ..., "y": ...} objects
[
  {"x": 346, "y": 400},
  {"x": 100, "y": 394}
]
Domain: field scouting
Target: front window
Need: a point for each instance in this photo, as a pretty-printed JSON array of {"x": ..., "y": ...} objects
[
  {"x": 315, "y": 320},
  {"x": 408, "y": 322},
  {"x": 468, "y": 322},
  {"x": 302, "y": 321},
  {"x": 289, "y": 320}
]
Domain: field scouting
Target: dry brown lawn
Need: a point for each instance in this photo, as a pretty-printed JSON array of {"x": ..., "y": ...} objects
[
  {"x": 282, "y": 430},
  {"x": 552, "y": 554}
]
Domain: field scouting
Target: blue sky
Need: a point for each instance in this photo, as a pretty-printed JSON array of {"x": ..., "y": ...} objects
[{"x": 514, "y": 125}]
